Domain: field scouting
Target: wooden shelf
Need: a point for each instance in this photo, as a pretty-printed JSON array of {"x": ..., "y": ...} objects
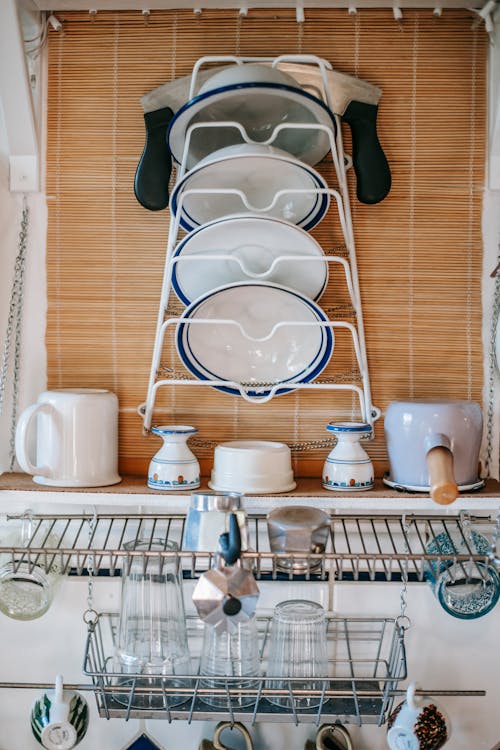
[
  {"x": 20, "y": 489},
  {"x": 306, "y": 487}
]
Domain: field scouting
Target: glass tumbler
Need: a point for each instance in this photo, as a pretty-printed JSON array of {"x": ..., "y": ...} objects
[
  {"x": 466, "y": 590},
  {"x": 297, "y": 652},
  {"x": 233, "y": 655},
  {"x": 28, "y": 583},
  {"x": 152, "y": 636}
]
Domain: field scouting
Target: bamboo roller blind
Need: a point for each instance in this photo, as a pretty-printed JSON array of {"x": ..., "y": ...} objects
[{"x": 418, "y": 252}]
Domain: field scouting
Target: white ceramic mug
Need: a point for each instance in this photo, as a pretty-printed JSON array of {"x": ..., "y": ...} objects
[
  {"x": 417, "y": 724},
  {"x": 76, "y": 438},
  {"x": 59, "y": 718}
]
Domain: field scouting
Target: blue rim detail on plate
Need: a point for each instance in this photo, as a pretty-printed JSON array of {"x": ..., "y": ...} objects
[
  {"x": 310, "y": 220},
  {"x": 175, "y": 283},
  {"x": 325, "y": 348},
  {"x": 199, "y": 98}
]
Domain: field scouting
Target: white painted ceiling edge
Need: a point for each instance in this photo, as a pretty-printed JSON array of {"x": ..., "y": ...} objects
[{"x": 96, "y": 5}]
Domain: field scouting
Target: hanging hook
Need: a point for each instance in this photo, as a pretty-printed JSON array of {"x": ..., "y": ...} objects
[
  {"x": 438, "y": 11},
  {"x": 243, "y": 10},
  {"x": 299, "y": 13},
  {"x": 352, "y": 10},
  {"x": 397, "y": 13},
  {"x": 486, "y": 14},
  {"x": 146, "y": 13}
]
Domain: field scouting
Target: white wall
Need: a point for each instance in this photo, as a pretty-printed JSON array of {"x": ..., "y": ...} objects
[{"x": 33, "y": 358}]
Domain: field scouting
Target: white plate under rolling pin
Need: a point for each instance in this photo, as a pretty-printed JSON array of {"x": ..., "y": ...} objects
[{"x": 256, "y": 247}]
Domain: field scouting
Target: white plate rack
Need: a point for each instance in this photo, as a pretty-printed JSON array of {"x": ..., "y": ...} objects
[{"x": 338, "y": 202}]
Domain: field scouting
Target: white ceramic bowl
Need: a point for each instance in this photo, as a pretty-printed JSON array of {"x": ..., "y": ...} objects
[
  {"x": 232, "y": 75},
  {"x": 255, "y": 334},
  {"x": 257, "y": 248},
  {"x": 259, "y": 172},
  {"x": 252, "y": 466}
]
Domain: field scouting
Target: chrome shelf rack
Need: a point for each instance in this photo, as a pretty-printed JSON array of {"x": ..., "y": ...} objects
[
  {"x": 366, "y": 663},
  {"x": 367, "y": 658},
  {"x": 360, "y": 546}
]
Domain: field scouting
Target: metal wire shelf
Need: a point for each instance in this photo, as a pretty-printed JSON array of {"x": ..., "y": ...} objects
[
  {"x": 360, "y": 547},
  {"x": 366, "y": 662}
]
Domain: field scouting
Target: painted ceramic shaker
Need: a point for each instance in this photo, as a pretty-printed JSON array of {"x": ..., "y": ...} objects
[
  {"x": 348, "y": 465},
  {"x": 417, "y": 724},
  {"x": 174, "y": 466}
]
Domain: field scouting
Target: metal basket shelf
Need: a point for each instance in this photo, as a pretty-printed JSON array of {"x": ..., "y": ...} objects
[
  {"x": 360, "y": 547},
  {"x": 366, "y": 662}
]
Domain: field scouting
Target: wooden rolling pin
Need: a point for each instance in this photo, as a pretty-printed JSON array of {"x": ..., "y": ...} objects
[{"x": 443, "y": 488}]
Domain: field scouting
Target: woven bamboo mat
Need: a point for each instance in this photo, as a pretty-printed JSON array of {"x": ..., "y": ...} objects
[{"x": 419, "y": 251}]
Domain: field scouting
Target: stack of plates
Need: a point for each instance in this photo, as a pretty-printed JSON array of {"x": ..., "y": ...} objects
[{"x": 248, "y": 271}]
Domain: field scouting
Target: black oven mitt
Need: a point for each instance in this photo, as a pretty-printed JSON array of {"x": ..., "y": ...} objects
[{"x": 155, "y": 165}]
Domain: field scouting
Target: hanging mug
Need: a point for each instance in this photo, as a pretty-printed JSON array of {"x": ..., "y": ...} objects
[
  {"x": 417, "y": 724},
  {"x": 59, "y": 718},
  {"x": 216, "y": 743},
  {"x": 330, "y": 737}
]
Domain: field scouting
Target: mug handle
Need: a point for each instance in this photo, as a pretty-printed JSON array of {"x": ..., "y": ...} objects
[
  {"x": 228, "y": 725},
  {"x": 332, "y": 729},
  {"x": 59, "y": 712},
  {"x": 22, "y": 431}
]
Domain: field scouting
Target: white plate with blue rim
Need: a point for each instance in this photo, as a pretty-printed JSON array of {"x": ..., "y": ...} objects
[
  {"x": 260, "y": 173},
  {"x": 259, "y": 98},
  {"x": 246, "y": 351},
  {"x": 256, "y": 249}
]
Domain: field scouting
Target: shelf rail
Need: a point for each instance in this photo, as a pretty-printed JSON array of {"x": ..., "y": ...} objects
[{"x": 360, "y": 547}]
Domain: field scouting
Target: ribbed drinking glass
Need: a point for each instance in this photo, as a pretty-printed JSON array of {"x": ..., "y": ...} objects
[
  {"x": 230, "y": 655},
  {"x": 152, "y": 635},
  {"x": 297, "y": 652}
]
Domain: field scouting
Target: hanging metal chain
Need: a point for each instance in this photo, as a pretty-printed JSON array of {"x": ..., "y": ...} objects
[
  {"x": 492, "y": 367},
  {"x": 14, "y": 328},
  {"x": 403, "y": 621},
  {"x": 90, "y": 616}
]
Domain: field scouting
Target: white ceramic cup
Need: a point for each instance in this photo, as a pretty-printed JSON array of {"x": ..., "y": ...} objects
[
  {"x": 76, "y": 438},
  {"x": 59, "y": 718}
]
